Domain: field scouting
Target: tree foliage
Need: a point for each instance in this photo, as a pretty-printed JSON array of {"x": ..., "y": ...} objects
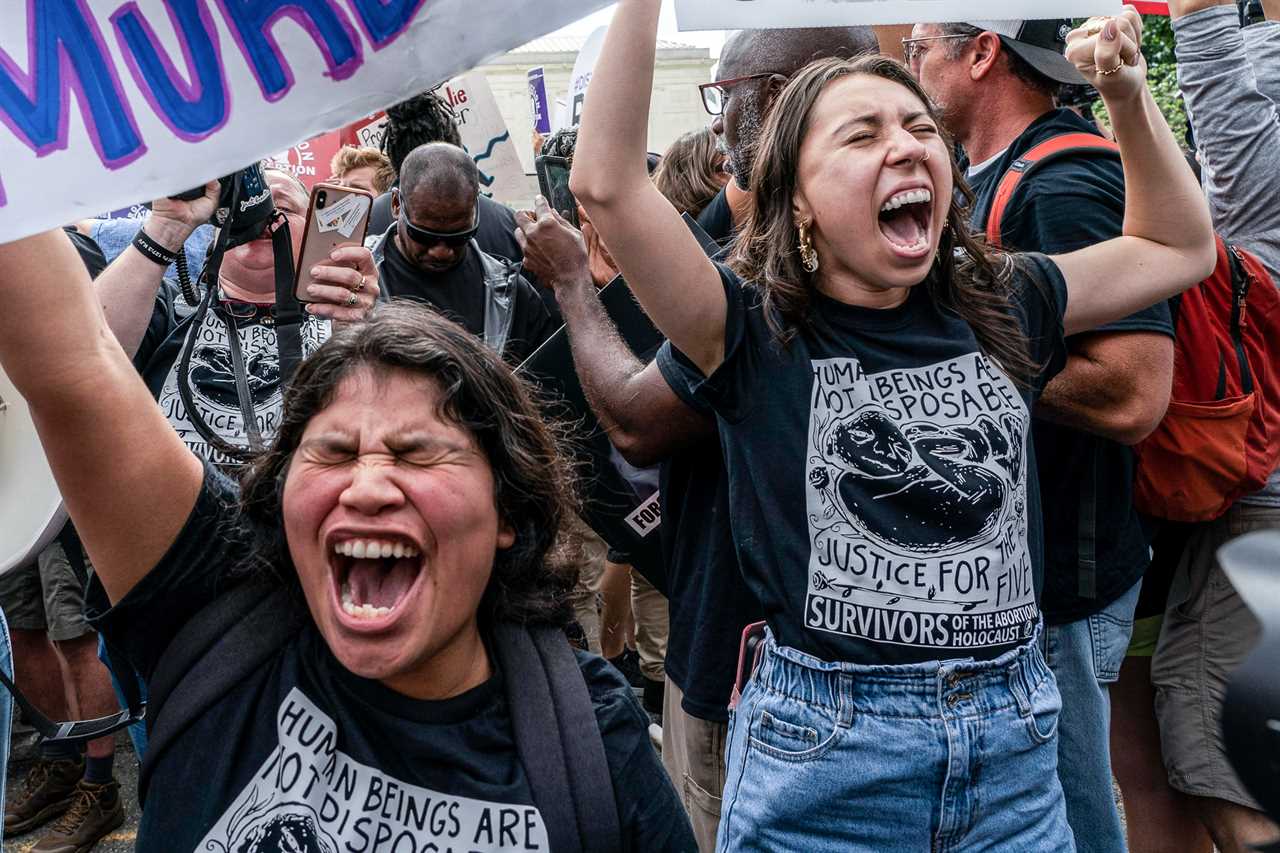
[{"x": 1162, "y": 73}]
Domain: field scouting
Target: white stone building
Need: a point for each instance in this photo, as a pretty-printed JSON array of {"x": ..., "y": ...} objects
[{"x": 676, "y": 108}]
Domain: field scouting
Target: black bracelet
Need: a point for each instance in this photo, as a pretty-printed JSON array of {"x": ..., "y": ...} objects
[{"x": 153, "y": 250}]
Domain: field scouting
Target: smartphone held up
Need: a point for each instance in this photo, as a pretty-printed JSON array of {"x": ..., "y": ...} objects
[{"x": 337, "y": 216}]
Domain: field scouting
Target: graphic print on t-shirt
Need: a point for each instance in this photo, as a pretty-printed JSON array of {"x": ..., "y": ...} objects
[
  {"x": 917, "y": 505},
  {"x": 213, "y": 383},
  {"x": 309, "y": 797}
]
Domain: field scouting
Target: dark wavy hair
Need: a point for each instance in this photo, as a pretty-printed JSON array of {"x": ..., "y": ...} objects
[
  {"x": 533, "y": 485},
  {"x": 419, "y": 120},
  {"x": 968, "y": 277}
]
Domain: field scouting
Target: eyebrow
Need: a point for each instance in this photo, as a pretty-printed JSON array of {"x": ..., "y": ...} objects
[
  {"x": 869, "y": 118},
  {"x": 405, "y": 442},
  {"x": 401, "y": 442},
  {"x": 875, "y": 121}
]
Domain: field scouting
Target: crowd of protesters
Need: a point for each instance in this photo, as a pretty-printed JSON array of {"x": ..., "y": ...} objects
[{"x": 891, "y": 428}]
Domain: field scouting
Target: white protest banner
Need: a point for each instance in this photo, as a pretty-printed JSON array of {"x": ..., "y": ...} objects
[
  {"x": 582, "y": 71},
  {"x": 485, "y": 135},
  {"x": 106, "y": 103},
  {"x": 761, "y": 14}
]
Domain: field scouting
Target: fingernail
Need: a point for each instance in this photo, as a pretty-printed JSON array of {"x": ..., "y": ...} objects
[
  {"x": 312, "y": 289},
  {"x": 541, "y": 200},
  {"x": 1111, "y": 30}
]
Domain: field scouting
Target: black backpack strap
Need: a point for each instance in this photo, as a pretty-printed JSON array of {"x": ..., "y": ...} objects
[
  {"x": 558, "y": 739},
  {"x": 1087, "y": 530},
  {"x": 232, "y": 637},
  {"x": 290, "y": 315},
  {"x": 1240, "y": 282}
]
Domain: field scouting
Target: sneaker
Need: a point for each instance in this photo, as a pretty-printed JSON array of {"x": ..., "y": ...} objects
[
  {"x": 46, "y": 793},
  {"x": 95, "y": 811},
  {"x": 655, "y": 738}
]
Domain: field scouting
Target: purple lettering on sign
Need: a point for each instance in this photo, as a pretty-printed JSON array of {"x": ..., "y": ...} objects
[
  {"x": 384, "y": 20},
  {"x": 252, "y": 22},
  {"x": 192, "y": 111},
  {"x": 66, "y": 53}
]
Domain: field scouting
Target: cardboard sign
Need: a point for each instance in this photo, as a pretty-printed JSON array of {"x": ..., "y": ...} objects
[
  {"x": 484, "y": 134},
  {"x": 107, "y": 102},
  {"x": 583, "y": 68},
  {"x": 538, "y": 101},
  {"x": 761, "y": 14}
]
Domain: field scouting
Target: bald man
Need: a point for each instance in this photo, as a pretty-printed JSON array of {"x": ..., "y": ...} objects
[
  {"x": 761, "y": 62},
  {"x": 431, "y": 255}
]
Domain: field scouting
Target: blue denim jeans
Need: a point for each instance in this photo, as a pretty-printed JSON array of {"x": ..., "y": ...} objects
[
  {"x": 6, "y": 706},
  {"x": 137, "y": 731},
  {"x": 956, "y": 756},
  {"x": 1085, "y": 656}
]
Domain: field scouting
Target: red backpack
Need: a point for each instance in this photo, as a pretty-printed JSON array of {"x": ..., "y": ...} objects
[{"x": 1220, "y": 439}]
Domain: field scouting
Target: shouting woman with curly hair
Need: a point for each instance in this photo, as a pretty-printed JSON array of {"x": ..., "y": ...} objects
[{"x": 394, "y": 546}]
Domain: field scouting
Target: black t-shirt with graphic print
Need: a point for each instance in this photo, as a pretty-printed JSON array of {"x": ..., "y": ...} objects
[
  {"x": 305, "y": 756},
  {"x": 1069, "y": 204},
  {"x": 882, "y": 491},
  {"x": 212, "y": 376}
]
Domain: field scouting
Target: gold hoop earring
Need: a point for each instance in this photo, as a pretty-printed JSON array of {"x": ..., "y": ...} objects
[{"x": 808, "y": 254}]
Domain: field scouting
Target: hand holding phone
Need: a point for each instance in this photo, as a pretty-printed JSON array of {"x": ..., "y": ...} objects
[
  {"x": 337, "y": 217},
  {"x": 553, "y": 180}
]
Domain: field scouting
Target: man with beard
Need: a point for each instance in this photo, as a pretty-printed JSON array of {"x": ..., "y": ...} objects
[
  {"x": 995, "y": 83},
  {"x": 432, "y": 255},
  {"x": 755, "y": 66}
]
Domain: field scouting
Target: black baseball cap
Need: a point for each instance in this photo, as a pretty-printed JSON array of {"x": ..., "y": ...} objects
[{"x": 1041, "y": 43}]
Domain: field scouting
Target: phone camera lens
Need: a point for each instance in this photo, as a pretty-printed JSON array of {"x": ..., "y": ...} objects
[{"x": 321, "y": 197}]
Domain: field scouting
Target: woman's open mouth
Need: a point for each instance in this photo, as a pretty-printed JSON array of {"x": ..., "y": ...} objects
[
  {"x": 905, "y": 221},
  {"x": 374, "y": 577}
]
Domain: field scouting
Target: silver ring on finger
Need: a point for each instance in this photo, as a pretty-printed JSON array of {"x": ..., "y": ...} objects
[{"x": 352, "y": 301}]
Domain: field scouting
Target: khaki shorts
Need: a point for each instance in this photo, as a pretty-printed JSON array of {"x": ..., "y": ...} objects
[
  {"x": 1208, "y": 631},
  {"x": 46, "y": 596}
]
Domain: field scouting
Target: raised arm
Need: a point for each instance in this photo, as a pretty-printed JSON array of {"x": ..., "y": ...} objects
[
  {"x": 128, "y": 481},
  {"x": 1167, "y": 243},
  {"x": 644, "y": 418},
  {"x": 1236, "y": 125},
  {"x": 676, "y": 284},
  {"x": 128, "y": 287}
]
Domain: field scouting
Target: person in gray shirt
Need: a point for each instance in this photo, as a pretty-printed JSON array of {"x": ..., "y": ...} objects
[{"x": 1230, "y": 80}]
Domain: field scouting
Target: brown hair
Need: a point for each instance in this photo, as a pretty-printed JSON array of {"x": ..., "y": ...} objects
[
  {"x": 686, "y": 175},
  {"x": 533, "y": 486},
  {"x": 968, "y": 278},
  {"x": 350, "y": 157}
]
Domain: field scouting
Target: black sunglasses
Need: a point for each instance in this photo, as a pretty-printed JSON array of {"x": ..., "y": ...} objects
[{"x": 427, "y": 237}]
